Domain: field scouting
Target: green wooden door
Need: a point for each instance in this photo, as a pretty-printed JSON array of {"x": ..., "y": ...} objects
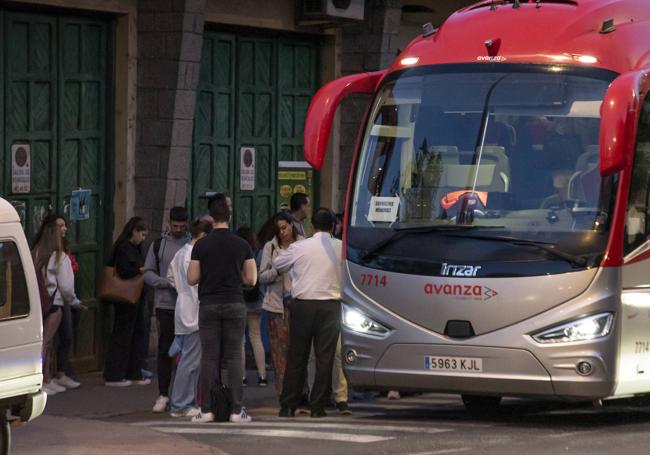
[
  {"x": 55, "y": 80},
  {"x": 254, "y": 92}
]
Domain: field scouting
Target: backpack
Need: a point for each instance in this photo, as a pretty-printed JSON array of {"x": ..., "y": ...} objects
[
  {"x": 221, "y": 398},
  {"x": 47, "y": 300}
]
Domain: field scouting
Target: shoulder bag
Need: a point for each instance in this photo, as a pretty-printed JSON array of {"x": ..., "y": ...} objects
[{"x": 116, "y": 289}]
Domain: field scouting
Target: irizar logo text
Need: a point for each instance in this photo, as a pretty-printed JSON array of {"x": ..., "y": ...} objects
[{"x": 459, "y": 270}]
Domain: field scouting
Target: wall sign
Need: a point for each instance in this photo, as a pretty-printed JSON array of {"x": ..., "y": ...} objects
[
  {"x": 21, "y": 163},
  {"x": 80, "y": 205},
  {"x": 247, "y": 169},
  {"x": 295, "y": 177}
]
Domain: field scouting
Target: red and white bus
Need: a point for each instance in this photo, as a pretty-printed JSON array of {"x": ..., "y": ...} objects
[{"x": 497, "y": 218}]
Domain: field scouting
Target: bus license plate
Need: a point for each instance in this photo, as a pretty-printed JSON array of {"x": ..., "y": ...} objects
[{"x": 455, "y": 364}]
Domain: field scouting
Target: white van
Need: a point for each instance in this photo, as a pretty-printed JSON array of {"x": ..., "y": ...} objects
[{"x": 21, "y": 329}]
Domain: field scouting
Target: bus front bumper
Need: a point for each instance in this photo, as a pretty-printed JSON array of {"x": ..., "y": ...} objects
[{"x": 504, "y": 372}]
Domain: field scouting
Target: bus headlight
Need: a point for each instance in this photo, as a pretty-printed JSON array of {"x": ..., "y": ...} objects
[
  {"x": 359, "y": 322},
  {"x": 589, "y": 328}
]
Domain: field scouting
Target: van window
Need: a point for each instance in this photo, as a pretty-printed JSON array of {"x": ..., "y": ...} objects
[
  {"x": 14, "y": 298},
  {"x": 637, "y": 222}
]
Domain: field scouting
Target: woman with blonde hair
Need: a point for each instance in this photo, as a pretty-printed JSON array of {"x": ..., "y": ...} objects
[{"x": 54, "y": 264}]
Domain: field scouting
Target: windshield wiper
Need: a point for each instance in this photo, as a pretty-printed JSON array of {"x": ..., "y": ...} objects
[
  {"x": 579, "y": 261},
  {"x": 403, "y": 231}
]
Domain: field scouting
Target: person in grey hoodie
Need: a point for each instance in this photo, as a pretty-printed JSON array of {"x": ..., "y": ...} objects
[{"x": 160, "y": 255}]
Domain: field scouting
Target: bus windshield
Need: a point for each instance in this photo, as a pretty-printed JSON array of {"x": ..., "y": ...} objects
[{"x": 506, "y": 150}]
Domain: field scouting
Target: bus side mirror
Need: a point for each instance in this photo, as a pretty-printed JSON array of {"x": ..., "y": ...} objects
[
  {"x": 619, "y": 116},
  {"x": 322, "y": 108}
]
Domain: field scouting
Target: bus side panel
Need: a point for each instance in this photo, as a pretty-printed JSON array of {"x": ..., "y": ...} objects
[{"x": 634, "y": 349}]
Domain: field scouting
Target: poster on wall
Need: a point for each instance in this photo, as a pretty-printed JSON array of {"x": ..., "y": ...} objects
[
  {"x": 80, "y": 205},
  {"x": 247, "y": 169},
  {"x": 21, "y": 163},
  {"x": 295, "y": 177}
]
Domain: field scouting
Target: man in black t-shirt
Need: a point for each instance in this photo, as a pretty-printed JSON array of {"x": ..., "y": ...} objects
[{"x": 221, "y": 264}]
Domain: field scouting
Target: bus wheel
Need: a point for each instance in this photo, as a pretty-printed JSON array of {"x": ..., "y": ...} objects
[
  {"x": 479, "y": 404},
  {"x": 5, "y": 433}
]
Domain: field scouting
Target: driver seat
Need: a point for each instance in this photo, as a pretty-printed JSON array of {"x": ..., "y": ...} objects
[{"x": 585, "y": 186}]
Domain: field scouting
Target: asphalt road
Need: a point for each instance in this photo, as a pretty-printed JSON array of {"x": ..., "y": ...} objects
[{"x": 425, "y": 425}]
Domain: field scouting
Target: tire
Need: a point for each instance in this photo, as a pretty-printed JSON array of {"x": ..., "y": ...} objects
[
  {"x": 479, "y": 404},
  {"x": 5, "y": 434}
]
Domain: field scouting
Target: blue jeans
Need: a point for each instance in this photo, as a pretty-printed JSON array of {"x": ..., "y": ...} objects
[{"x": 187, "y": 373}]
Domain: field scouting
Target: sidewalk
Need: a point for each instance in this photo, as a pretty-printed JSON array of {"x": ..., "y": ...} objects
[{"x": 91, "y": 420}]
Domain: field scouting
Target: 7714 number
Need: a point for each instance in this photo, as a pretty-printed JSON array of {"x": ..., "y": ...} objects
[{"x": 369, "y": 279}]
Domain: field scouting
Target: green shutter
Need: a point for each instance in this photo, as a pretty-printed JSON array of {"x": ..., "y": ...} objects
[
  {"x": 54, "y": 75},
  {"x": 254, "y": 91}
]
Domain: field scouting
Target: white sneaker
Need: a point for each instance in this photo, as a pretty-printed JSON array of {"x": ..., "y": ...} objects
[
  {"x": 48, "y": 390},
  {"x": 122, "y": 383},
  {"x": 56, "y": 387},
  {"x": 189, "y": 412},
  {"x": 146, "y": 381},
  {"x": 67, "y": 382},
  {"x": 393, "y": 395},
  {"x": 161, "y": 404},
  {"x": 242, "y": 417},
  {"x": 203, "y": 417}
]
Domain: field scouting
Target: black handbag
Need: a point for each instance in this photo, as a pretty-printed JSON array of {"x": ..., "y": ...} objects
[{"x": 221, "y": 398}]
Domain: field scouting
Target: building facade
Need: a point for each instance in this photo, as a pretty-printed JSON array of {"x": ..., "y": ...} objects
[{"x": 148, "y": 104}]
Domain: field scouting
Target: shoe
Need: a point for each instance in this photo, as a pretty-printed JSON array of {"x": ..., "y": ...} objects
[
  {"x": 160, "y": 405},
  {"x": 56, "y": 387},
  {"x": 146, "y": 374},
  {"x": 244, "y": 382},
  {"x": 318, "y": 413},
  {"x": 342, "y": 407},
  {"x": 203, "y": 417},
  {"x": 143, "y": 381},
  {"x": 67, "y": 382},
  {"x": 304, "y": 407},
  {"x": 188, "y": 412},
  {"x": 242, "y": 417},
  {"x": 393, "y": 395},
  {"x": 286, "y": 412},
  {"x": 262, "y": 382},
  {"x": 48, "y": 390},
  {"x": 122, "y": 383}
]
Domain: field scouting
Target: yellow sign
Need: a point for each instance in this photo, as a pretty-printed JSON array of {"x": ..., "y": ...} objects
[{"x": 292, "y": 175}]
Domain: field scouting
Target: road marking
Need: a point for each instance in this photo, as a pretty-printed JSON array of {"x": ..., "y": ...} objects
[
  {"x": 567, "y": 434},
  {"x": 339, "y": 437},
  {"x": 442, "y": 451},
  {"x": 352, "y": 426}
]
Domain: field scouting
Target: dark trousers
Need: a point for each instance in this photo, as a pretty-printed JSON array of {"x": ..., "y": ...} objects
[
  {"x": 64, "y": 342},
  {"x": 221, "y": 328},
  {"x": 165, "y": 339},
  {"x": 124, "y": 358},
  {"x": 317, "y": 322}
]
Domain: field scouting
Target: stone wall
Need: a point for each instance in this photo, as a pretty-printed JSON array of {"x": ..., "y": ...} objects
[
  {"x": 370, "y": 45},
  {"x": 170, "y": 37}
]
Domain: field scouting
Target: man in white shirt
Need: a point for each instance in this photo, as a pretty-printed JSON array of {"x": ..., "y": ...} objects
[
  {"x": 186, "y": 327},
  {"x": 314, "y": 265}
]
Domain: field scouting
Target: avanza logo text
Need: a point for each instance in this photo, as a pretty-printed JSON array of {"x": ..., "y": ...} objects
[{"x": 461, "y": 291}]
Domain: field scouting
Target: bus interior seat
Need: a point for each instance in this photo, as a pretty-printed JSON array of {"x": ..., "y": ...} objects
[
  {"x": 589, "y": 159},
  {"x": 437, "y": 158},
  {"x": 501, "y": 134},
  {"x": 585, "y": 186},
  {"x": 495, "y": 155},
  {"x": 447, "y": 153}
]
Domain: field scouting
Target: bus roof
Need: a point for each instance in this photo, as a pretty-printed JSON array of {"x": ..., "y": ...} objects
[{"x": 609, "y": 34}]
